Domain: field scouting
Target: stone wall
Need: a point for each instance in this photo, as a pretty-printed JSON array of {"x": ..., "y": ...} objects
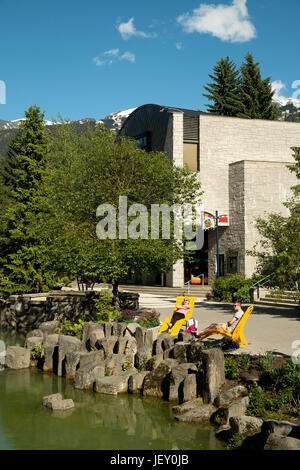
[{"x": 28, "y": 311}]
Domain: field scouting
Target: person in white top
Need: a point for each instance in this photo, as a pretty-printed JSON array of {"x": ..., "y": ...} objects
[{"x": 229, "y": 326}]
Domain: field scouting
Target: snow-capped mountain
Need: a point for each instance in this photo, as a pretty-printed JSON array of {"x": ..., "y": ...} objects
[
  {"x": 289, "y": 107},
  {"x": 113, "y": 121}
]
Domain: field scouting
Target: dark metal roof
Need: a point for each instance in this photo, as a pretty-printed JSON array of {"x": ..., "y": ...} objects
[{"x": 169, "y": 109}]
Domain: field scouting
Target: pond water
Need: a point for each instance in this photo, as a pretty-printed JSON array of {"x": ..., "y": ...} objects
[{"x": 98, "y": 421}]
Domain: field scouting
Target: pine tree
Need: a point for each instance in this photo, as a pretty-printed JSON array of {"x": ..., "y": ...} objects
[
  {"x": 256, "y": 93},
  {"x": 21, "y": 177},
  {"x": 224, "y": 92}
]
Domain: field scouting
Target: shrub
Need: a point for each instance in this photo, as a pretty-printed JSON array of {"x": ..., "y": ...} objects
[
  {"x": 266, "y": 361},
  {"x": 74, "y": 329},
  {"x": 230, "y": 288},
  {"x": 149, "y": 319},
  {"x": 37, "y": 351},
  {"x": 128, "y": 315},
  {"x": 105, "y": 310},
  {"x": 232, "y": 368}
]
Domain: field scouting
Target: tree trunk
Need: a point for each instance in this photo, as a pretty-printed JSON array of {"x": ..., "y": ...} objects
[{"x": 115, "y": 292}]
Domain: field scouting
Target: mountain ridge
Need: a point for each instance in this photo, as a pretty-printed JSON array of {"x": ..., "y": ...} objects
[{"x": 289, "y": 111}]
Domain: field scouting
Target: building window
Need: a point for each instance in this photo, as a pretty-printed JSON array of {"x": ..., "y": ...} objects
[
  {"x": 233, "y": 264},
  {"x": 143, "y": 141}
]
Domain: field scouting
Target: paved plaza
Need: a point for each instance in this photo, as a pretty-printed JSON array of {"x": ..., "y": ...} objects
[{"x": 269, "y": 328}]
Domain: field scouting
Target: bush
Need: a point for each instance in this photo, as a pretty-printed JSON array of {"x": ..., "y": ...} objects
[
  {"x": 232, "y": 368},
  {"x": 105, "y": 310},
  {"x": 232, "y": 288},
  {"x": 149, "y": 319},
  {"x": 128, "y": 315},
  {"x": 74, "y": 329}
]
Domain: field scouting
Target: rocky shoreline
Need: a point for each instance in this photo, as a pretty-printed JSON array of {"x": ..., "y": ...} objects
[{"x": 117, "y": 358}]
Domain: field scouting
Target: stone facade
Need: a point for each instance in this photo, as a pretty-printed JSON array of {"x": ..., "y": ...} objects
[{"x": 242, "y": 169}]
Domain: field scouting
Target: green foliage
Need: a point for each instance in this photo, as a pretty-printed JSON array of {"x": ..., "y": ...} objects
[
  {"x": 256, "y": 92},
  {"x": 23, "y": 255},
  {"x": 234, "y": 365},
  {"x": 106, "y": 311},
  {"x": 231, "y": 367},
  {"x": 242, "y": 93},
  {"x": 280, "y": 388},
  {"x": 224, "y": 91},
  {"x": 230, "y": 288},
  {"x": 149, "y": 319},
  {"x": 266, "y": 362},
  {"x": 126, "y": 365},
  {"x": 37, "y": 351},
  {"x": 74, "y": 329}
]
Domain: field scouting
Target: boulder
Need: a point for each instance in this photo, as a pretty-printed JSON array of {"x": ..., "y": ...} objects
[
  {"x": 277, "y": 442},
  {"x": 115, "y": 384},
  {"x": 225, "y": 398},
  {"x": 87, "y": 375},
  {"x": 66, "y": 344},
  {"x": 190, "y": 387},
  {"x": 94, "y": 339},
  {"x": 157, "y": 382},
  {"x": 242, "y": 424},
  {"x": 32, "y": 341},
  {"x": 150, "y": 338},
  {"x": 180, "y": 351},
  {"x": 237, "y": 407},
  {"x": 164, "y": 342},
  {"x": 50, "y": 352},
  {"x": 114, "y": 364},
  {"x": 280, "y": 428},
  {"x": 35, "y": 333},
  {"x": 131, "y": 328},
  {"x": 119, "y": 329},
  {"x": 72, "y": 363},
  {"x": 201, "y": 414},
  {"x": 94, "y": 329},
  {"x": 107, "y": 344},
  {"x": 17, "y": 357},
  {"x": 188, "y": 406},
  {"x": 56, "y": 402},
  {"x": 49, "y": 327},
  {"x": 140, "y": 334},
  {"x": 195, "y": 352},
  {"x": 177, "y": 376},
  {"x": 135, "y": 382},
  {"x": 213, "y": 374}
]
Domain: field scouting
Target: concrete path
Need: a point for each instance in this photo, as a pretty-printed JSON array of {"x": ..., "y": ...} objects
[{"x": 268, "y": 328}]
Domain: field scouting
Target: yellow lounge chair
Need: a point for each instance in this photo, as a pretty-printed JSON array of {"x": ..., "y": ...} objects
[
  {"x": 177, "y": 326},
  {"x": 238, "y": 333}
]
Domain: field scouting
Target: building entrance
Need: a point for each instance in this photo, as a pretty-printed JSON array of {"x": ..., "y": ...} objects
[{"x": 197, "y": 265}]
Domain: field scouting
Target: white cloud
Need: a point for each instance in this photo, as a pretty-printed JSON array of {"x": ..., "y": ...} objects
[
  {"x": 99, "y": 62},
  {"x": 111, "y": 56},
  {"x": 112, "y": 52},
  {"x": 227, "y": 22},
  {"x": 278, "y": 86},
  {"x": 128, "y": 56},
  {"x": 179, "y": 46},
  {"x": 127, "y": 30}
]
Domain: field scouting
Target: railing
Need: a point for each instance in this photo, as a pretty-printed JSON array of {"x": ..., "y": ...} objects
[
  {"x": 263, "y": 282},
  {"x": 197, "y": 277}
]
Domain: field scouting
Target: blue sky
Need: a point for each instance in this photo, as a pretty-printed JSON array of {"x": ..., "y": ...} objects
[{"x": 91, "y": 58}]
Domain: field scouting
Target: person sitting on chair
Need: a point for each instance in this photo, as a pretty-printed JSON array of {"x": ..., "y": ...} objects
[
  {"x": 229, "y": 326},
  {"x": 179, "y": 313}
]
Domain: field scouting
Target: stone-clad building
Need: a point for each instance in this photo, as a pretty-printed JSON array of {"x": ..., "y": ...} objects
[{"x": 242, "y": 167}]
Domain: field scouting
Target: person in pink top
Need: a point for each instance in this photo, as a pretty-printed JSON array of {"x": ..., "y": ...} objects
[{"x": 179, "y": 313}]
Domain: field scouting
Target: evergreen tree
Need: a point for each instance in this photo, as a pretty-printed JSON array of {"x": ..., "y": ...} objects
[
  {"x": 224, "y": 91},
  {"x": 21, "y": 177},
  {"x": 256, "y": 93}
]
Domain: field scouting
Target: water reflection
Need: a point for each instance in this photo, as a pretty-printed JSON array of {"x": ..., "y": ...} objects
[{"x": 97, "y": 422}]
